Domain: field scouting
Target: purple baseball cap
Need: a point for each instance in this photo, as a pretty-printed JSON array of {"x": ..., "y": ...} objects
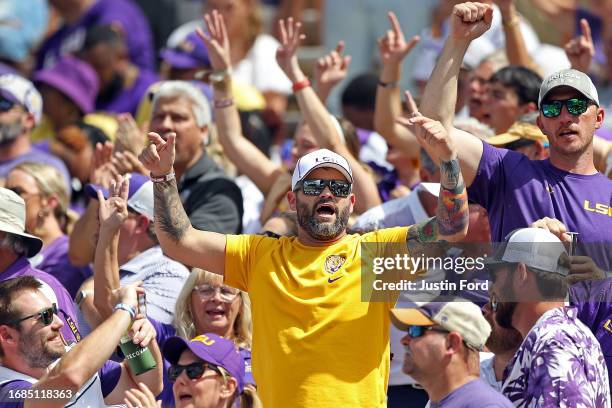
[
  {"x": 140, "y": 194},
  {"x": 73, "y": 77},
  {"x": 189, "y": 53},
  {"x": 211, "y": 348}
]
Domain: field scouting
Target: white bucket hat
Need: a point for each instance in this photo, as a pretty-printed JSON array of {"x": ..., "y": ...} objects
[{"x": 12, "y": 220}]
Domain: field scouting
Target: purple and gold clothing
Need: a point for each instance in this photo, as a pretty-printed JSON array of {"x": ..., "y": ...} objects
[
  {"x": 559, "y": 364},
  {"x": 54, "y": 260},
  {"x": 54, "y": 291},
  {"x": 517, "y": 191},
  {"x": 69, "y": 38}
]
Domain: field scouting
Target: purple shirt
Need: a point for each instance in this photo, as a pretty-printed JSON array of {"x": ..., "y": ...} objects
[
  {"x": 128, "y": 98},
  {"x": 109, "y": 376},
  {"x": 54, "y": 260},
  {"x": 54, "y": 290},
  {"x": 517, "y": 191},
  {"x": 559, "y": 364},
  {"x": 36, "y": 155},
  {"x": 69, "y": 38},
  {"x": 474, "y": 394}
]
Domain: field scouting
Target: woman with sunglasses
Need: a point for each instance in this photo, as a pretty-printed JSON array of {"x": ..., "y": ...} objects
[
  {"x": 47, "y": 216},
  {"x": 207, "y": 372}
]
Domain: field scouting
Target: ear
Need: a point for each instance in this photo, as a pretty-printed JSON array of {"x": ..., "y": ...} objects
[
  {"x": 520, "y": 278},
  {"x": 8, "y": 336},
  {"x": 292, "y": 199},
  {"x": 228, "y": 388},
  {"x": 28, "y": 121},
  {"x": 205, "y": 135},
  {"x": 352, "y": 199},
  {"x": 454, "y": 343},
  {"x": 528, "y": 107},
  {"x": 600, "y": 118},
  {"x": 51, "y": 202},
  {"x": 142, "y": 224}
]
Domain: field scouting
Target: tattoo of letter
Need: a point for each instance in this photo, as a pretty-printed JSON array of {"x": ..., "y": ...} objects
[
  {"x": 452, "y": 214},
  {"x": 169, "y": 212}
]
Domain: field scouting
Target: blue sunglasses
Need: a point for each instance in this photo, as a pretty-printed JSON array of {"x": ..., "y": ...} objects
[{"x": 418, "y": 331}]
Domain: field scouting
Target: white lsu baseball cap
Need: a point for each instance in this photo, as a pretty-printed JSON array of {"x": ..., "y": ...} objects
[{"x": 320, "y": 158}]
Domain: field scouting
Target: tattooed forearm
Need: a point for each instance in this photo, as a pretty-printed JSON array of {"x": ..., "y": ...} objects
[
  {"x": 421, "y": 234},
  {"x": 169, "y": 212},
  {"x": 452, "y": 213}
]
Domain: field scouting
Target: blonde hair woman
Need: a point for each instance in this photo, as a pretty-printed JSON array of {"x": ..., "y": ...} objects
[
  {"x": 43, "y": 189},
  {"x": 206, "y": 305}
]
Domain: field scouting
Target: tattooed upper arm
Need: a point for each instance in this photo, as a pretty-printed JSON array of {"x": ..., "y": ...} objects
[{"x": 452, "y": 213}]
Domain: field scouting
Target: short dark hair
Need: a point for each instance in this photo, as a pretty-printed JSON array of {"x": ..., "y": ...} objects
[
  {"x": 361, "y": 92},
  {"x": 103, "y": 34},
  {"x": 8, "y": 289},
  {"x": 552, "y": 286},
  {"x": 523, "y": 81}
]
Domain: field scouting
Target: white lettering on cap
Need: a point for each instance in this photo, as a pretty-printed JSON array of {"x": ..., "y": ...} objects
[
  {"x": 327, "y": 159},
  {"x": 563, "y": 75}
]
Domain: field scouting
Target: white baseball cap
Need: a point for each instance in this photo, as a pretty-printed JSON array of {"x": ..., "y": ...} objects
[
  {"x": 320, "y": 158},
  {"x": 20, "y": 90},
  {"x": 140, "y": 194},
  {"x": 13, "y": 217},
  {"x": 536, "y": 248},
  {"x": 459, "y": 316}
]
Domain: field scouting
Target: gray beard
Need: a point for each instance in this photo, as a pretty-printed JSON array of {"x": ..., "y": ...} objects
[
  {"x": 321, "y": 231},
  {"x": 10, "y": 132}
]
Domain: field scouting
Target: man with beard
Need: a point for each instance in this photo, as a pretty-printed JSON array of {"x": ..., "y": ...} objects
[
  {"x": 503, "y": 343},
  {"x": 517, "y": 191},
  {"x": 442, "y": 343},
  {"x": 20, "y": 112},
  {"x": 560, "y": 362},
  {"x": 37, "y": 369},
  {"x": 310, "y": 324}
]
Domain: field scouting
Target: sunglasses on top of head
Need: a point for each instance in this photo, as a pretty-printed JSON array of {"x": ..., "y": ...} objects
[
  {"x": 314, "y": 187},
  {"x": 45, "y": 316},
  {"x": 575, "y": 106},
  {"x": 193, "y": 370}
]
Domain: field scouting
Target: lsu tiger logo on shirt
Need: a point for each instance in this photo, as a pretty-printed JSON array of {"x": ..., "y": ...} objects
[{"x": 597, "y": 208}]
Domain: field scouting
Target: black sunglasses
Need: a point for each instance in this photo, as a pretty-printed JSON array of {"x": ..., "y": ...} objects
[
  {"x": 575, "y": 106},
  {"x": 45, "y": 316},
  {"x": 6, "y": 104},
  {"x": 418, "y": 331},
  {"x": 314, "y": 187},
  {"x": 493, "y": 303},
  {"x": 193, "y": 370}
]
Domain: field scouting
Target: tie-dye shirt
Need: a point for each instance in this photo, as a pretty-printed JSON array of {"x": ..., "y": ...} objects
[{"x": 559, "y": 364}]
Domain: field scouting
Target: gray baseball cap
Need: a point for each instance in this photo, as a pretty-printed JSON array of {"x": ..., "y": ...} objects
[{"x": 572, "y": 78}]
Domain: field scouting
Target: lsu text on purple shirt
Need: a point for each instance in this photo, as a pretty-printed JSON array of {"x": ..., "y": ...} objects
[
  {"x": 517, "y": 191},
  {"x": 21, "y": 267},
  {"x": 54, "y": 260},
  {"x": 70, "y": 38}
]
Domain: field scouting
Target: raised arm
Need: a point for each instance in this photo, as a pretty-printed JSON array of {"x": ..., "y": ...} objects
[
  {"x": 468, "y": 21},
  {"x": 318, "y": 118},
  {"x": 177, "y": 237},
  {"x": 516, "y": 49},
  {"x": 451, "y": 220},
  {"x": 111, "y": 215},
  {"x": 330, "y": 70},
  {"x": 245, "y": 155},
  {"x": 393, "y": 49}
]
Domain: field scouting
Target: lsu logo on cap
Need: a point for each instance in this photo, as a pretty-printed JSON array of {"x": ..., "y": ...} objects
[
  {"x": 333, "y": 263},
  {"x": 326, "y": 159},
  {"x": 204, "y": 339}
]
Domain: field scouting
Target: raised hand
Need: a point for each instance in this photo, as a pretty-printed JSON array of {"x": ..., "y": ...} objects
[
  {"x": 580, "y": 50},
  {"x": 434, "y": 138},
  {"x": 286, "y": 55},
  {"x": 158, "y": 156},
  {"x": 140, "y": 397},
  {"x": 127, "y": 162},
  {"x": 393, "y": 46},
  {"x": 470, "y": 20},
  {"x": 113, "y": 212},
  {"x": 129, "y": 136},
  {"x": 102, "y": 171},
  {"x": 332, "y": 68},
  {"x": 216, "y": 41},
  {"x": 554, "y": 226}
]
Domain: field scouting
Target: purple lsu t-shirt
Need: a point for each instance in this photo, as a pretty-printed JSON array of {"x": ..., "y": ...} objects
[
  {"x": 109, "y": 377},
  {"x": 124, "y": 13},
  {"x": 54, "y": 260},
  {"x": 474, "y": 394},
  {"x": 517, "y": 191},
  {"x": 67, "y": 310}
]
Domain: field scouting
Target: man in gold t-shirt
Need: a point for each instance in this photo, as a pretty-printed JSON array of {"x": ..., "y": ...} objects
[{"x": 315, "y": 342}]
